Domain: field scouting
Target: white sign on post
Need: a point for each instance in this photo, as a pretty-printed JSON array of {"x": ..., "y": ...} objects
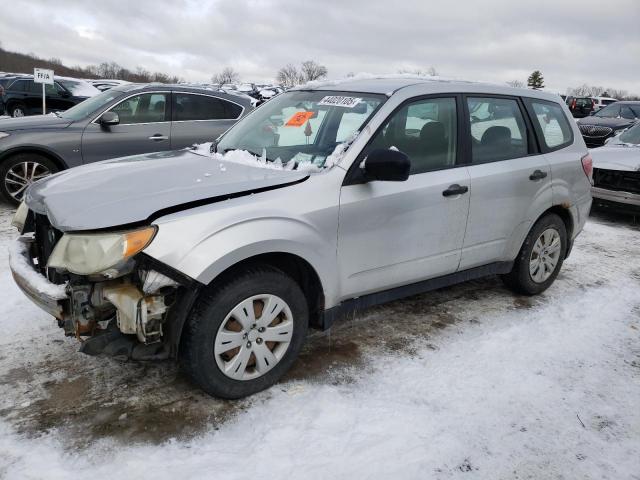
[{"x": 45, "y": 77}]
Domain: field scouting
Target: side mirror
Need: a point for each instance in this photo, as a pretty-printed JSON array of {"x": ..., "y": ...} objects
[
  {"x": 109, "y": 118},
  {"x": 64, "y": 93},
  {"x": 387, "y": 165}
]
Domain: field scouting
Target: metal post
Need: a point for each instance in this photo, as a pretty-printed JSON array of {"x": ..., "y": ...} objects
[{"x": 44, "y": 103}]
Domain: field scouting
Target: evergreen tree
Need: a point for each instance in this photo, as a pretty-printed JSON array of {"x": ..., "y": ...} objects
[{"x": 536, "y": 80}]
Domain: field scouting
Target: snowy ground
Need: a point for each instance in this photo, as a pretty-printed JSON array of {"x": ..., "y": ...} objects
[{"x": 466, "y": 382}]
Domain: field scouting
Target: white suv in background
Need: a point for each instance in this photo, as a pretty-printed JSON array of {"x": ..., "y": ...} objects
[
  {"x": 601, "y": 102},
  {"x": 325, "y": 200}
]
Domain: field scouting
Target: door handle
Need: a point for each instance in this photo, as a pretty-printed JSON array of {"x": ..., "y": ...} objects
[
  {"x": 537, "y": 175},
  {"x": 157, "y": 136},
  {"x": 455, "y": 189}
]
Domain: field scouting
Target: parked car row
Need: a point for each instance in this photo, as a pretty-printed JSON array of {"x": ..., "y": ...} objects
[
  {"x": 608, "y": 122},
  {"x": 125, "y": 120},
  {"x": 21, "y": 96}
]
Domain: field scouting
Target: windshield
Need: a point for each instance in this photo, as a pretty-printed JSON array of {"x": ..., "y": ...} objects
[
  {"x": 302, "y": 126},
  {"x": 610, "y": 111},
  {"x": 78, "y": 88},
  {"x": 632, "y": 135},
  {"x": 90, "y": 105}
]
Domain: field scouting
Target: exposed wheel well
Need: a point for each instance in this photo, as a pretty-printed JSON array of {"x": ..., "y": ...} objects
[
  {"x": 297, "y": 268},
  {"x": 566, "y": 217},
  {"x": 36, "y": 151}
]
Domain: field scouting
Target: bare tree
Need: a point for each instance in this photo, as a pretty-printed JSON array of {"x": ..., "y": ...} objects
[
  {"x": 311, "y": 70},
  {"x": 289, "y": 76},
  {"x": 617, "y": 93},
  {"x": 586, "y": 91},
  {"x": 516, "y": 83},
  {"x": 227, "y": 75}
]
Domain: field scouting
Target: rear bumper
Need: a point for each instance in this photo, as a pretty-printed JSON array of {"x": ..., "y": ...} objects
[
  {"x": 614, "y": 196},
  {"x": 45, "y": 294}
]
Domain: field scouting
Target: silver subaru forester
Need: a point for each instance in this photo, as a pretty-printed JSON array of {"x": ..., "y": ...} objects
[{"x": 327, "y": 199}]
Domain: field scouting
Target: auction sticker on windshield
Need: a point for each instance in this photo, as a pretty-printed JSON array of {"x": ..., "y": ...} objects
[
  {"x": 298, "y": 119},
  {"x": 337, "y": 101}
]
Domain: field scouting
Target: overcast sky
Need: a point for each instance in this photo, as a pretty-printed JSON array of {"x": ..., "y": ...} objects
[{"x": 571, "y": 42}]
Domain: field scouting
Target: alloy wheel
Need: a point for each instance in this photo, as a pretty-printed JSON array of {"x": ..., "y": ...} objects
[
  {"x": 253, "y": 337},
  {"x": 545, "y": 255},
  {"x": 21, "y": 175}
]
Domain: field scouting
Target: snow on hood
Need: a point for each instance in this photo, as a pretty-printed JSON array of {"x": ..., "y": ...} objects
[
  {"x": 616, "y": 157},
  {"x": 133, "y": 189}
]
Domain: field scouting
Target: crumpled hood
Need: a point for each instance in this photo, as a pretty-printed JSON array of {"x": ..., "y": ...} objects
[
  {"x": 132, "y": 189},
  {"x": 616, "y": 158},
  {"x": 36, "y": 121}
]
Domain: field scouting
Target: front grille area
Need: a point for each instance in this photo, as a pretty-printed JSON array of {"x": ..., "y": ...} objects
[
  {"x": 617, "y": 180},
  {"x": 595, "y": 131},
  {"x": 46, "y": 238}
]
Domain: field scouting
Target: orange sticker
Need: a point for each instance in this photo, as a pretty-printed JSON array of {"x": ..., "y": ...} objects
[{"x": 298, "y": 119}]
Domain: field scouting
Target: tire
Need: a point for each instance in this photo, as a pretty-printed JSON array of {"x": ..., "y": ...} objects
[
  {"x": 21, "y": 170},
  {"x": 17, "y": 110},
  {"x": 214, "y": 320},
  {"x": 525, "y": 278}
]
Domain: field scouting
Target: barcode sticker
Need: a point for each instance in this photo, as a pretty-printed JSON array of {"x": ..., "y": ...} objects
[{"x": 337, "y": 101}]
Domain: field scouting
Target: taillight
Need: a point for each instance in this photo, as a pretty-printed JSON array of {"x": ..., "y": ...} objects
[
  {"x": 587, "y": 166},
  {"x": 573, "y": 104}
]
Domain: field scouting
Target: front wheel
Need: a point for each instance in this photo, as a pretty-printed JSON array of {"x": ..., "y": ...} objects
[
  {"x": 242, "y": 336},
  {"x": 540, "y": 257},
  {"x": 18, "y": 172}
]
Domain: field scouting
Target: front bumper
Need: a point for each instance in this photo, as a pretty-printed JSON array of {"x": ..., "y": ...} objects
[
  {"x": 47, "y": 295},
  {"x": 615, "y": 196},
  {"x": 595, "y": 142}
]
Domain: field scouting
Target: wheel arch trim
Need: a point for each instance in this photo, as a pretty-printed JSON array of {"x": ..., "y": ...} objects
[{"x": 37, "y": 149}]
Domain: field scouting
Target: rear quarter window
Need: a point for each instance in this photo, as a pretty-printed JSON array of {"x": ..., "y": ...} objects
[{"x": 552, "y": 125}]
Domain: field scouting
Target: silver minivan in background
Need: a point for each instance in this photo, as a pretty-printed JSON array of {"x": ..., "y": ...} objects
[{"x": 327, "y": 199}]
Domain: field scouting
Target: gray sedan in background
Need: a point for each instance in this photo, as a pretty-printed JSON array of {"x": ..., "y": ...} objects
[{"x": 125, "y": 120}]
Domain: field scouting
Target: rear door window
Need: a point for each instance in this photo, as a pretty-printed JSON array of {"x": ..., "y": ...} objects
[
  {"x": 19, "y": 86},
  {"x": 202, "y": 107},
  {"x": 498, "y": 129},
  {"x": 552, "y": 124}
]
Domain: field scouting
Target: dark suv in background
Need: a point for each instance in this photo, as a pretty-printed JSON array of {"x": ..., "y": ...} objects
[
  {"x": 609, "y": 122},
  {"x": 580, "y": 106},
  {"x": 126, "y": 120},
  {"x": 22, "y": 96}
]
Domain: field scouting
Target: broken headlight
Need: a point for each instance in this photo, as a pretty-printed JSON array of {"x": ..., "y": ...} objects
[
  {"x": 91, "y": 253},
  {"x": 20, "y": 217}
]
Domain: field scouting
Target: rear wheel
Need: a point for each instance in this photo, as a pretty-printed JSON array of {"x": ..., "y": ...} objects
[
  {"x": 245, "y": 334},
  {"x": 540, "y": 258},
  {"x": 20, "y": 171}
]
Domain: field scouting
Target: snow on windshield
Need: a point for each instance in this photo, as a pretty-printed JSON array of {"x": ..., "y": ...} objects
[{"x": 244, "y": 157}]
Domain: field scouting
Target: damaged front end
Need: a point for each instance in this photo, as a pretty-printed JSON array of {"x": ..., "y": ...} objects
[{"x": 118, "y": 303}]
